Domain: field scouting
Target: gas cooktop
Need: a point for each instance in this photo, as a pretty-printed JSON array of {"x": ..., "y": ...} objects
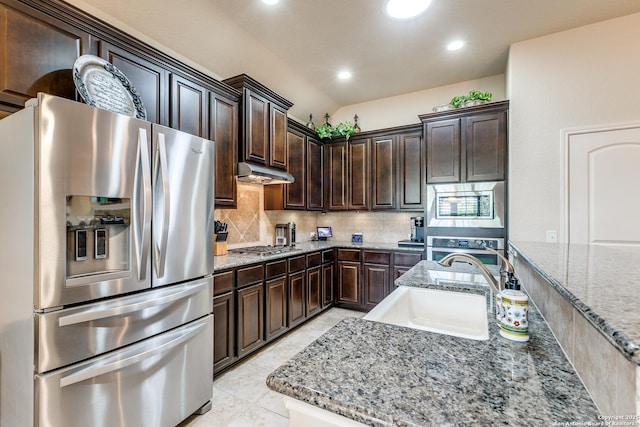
[{"x": 261, "y": 250}]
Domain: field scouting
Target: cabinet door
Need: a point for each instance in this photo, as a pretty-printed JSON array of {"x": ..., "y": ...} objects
[
  {"x": 224, "y": 352},
  {"x": 485, "y": 137},
  {"x": 297, "y": 298},
  {"x": 150, "y": 80},
  {"x": 256, "y": 128},
  {"x": 411, "y": 172},
  {"x": 224, "y": 132},
  {"x": 276, "y": 307},
  {"x": 358, "y": 176},
  {"x": 278, "y": 133},
  {"x": 336, "y": 157},
  {"x": 327, "y": 284},
  {"x": 295, "y": 192},
  {"x": 443, "y": 151},
  {"x": 383, "y": 173},
  {"x": 376, "y": 284},
  {"x": 349, "y": 283},
  {"x": 36, "y": 55},
  {"x": 315, "y": 172},
  {"x": 250, "y": 332},
  {"x": 314, "y": 291},
  {"x": 189, "y": 106}
]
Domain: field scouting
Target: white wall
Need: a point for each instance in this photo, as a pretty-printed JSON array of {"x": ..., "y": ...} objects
[
  {"x": 404, "y": 109},
  {"x": 582, "y": 77}
]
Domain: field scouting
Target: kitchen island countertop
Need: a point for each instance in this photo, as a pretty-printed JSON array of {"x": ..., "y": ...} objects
[
  {"x": 600, "y": 281},
  {"x": 386, "y": 375}
]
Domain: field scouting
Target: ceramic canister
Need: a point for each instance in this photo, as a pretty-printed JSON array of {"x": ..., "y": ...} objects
[{"x": 511, "y": 313}]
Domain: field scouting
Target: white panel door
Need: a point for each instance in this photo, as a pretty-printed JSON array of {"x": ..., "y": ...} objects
[{"x": 604, "y": 193}]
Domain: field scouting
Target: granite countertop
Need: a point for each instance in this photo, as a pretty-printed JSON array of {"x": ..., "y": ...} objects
[
  {"x": 237, "y": 260},
  {"x": 602, "y": 282},
  {"x": 387, "y": 375}
]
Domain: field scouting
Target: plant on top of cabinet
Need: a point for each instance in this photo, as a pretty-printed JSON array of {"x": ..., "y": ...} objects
[{"x": 345, "y": 129}]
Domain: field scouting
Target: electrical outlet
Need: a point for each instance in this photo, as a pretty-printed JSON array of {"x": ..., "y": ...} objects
[{"x": 552, "y": 236}]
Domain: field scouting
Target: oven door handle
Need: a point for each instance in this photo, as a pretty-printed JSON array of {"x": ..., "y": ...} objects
[
  {"x": 118, "y": 365},
  {"x": 459, "y": 250}
]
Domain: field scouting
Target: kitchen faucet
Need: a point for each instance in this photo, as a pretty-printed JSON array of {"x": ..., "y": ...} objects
[{"x": 506, "y": 269}]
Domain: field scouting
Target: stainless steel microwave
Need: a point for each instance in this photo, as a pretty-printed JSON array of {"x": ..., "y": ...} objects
[{"x": 466, "y": 205}]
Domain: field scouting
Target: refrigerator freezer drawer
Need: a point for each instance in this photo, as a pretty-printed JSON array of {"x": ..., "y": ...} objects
[
  {"x": 155, "y": 383},
  {"x": 74, "y": 334}
]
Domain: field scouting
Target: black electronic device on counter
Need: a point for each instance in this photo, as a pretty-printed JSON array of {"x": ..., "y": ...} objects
[{"x": 324, "y": 232}]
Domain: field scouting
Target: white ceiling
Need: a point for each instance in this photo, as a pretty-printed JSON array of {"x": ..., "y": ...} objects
[{"x": 297, "y": 46}]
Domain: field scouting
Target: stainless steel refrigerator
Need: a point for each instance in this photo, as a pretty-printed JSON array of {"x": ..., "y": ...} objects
[{"x": 106, "y": 265}]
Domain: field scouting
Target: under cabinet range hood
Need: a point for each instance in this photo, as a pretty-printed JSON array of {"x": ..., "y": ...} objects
[{"x": 248, "y": 172}]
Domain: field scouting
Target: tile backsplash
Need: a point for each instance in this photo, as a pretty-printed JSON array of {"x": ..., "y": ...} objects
[{"x": 250, "y": 224}]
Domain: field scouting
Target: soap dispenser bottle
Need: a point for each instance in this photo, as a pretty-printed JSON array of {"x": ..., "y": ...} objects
[{"x": 512, "y": 306}]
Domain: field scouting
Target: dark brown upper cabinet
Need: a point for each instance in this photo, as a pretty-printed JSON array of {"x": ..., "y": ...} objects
[
  {"x": 223, "y": 130},
  {"x": 466, "y": 145},
  {"x": 263, "y": 127},
  {"x": 335, "y": 155},
  {"x": 315, "y": 175},
  {"x": 150, "y": 80},
  {"x": 383, "y": 172},
  {"x": 37, "y": 53},
  {"x": 347, "y": 175},
  {"x": 358, "y": 173},
  {"x": 305, "y": 164},
  {"x": 411, "y": 171},
  {"x": 189, "y": 106},
  {"x": 295, "y": 193}
]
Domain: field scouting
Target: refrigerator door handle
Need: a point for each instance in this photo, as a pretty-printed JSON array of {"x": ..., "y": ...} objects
[
  {"x": 160, "y": 168},
  {"x": 141, "y": 234},
  {"x": 97, "y": 371},
  {"x": 90, "y": 315}
]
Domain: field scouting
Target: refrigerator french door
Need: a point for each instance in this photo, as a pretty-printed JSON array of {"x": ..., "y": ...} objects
[{"x": 107, "y": 262}]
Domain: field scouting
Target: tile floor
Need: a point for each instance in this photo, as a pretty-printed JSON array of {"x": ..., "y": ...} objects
[{"x": 241, "y": 397}]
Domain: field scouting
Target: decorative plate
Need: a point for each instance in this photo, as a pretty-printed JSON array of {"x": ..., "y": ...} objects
[{"x": 102, "y": 85}]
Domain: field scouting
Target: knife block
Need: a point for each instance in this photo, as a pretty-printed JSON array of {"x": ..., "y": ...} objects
[{"x": 219, "y": 248}]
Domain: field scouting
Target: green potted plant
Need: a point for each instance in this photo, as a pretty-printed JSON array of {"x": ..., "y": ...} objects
[
  {"x": 345, "y": 129},
  {"x": 474, "y": 97}
]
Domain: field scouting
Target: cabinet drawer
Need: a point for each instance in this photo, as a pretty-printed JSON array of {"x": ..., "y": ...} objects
[
  {"x": 276, "y": 268},
  {"x": 314, "y": 260},
  {"x": 377, "y": 257},
  {"x": 222, "y": 282},
  {"x": 348, "y": 254},
  {"x": 328, "y": 256},
  {"x": 297, "y": 263},
  {"x": 249, "y": 275},
  {"x": 406, "y": 259}
]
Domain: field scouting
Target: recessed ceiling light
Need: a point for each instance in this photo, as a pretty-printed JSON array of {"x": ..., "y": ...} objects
[
  {"x": 404, "y": 9},
  {"x": 270, "y": 1},
  {"x": 344, "y": 75},
  {"x": 455, "y": 45}
]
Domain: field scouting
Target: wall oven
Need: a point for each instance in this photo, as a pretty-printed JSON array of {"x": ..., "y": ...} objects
[
  {"x": 440, "y": 247},
  {"x": 466, "y": 218}
]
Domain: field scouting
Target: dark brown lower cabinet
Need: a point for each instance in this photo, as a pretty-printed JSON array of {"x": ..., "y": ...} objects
[
  {"x": 297, "y": 310},
  {"x": 376, "y": 276},
  {"x": 276, "y": 307},
  {"x": 328, "y": 273},
  {"x": 250, "y": 332},
  {"x": 376, "y": 284},
  {"x": 224, "y": 349},
  {"x": 402, "y": 262},
  {"x": 314, "y": 291},
  {"x": 349, "y": 283}
]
